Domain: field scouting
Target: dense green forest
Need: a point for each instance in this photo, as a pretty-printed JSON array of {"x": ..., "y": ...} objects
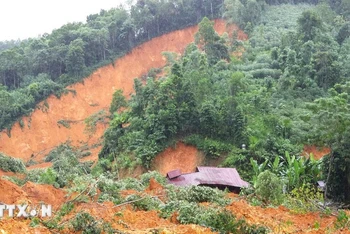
[{"x": 289, "y": 88}]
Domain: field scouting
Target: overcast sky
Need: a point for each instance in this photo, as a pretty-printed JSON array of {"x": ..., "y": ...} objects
[{"x": 20, "y": 19}]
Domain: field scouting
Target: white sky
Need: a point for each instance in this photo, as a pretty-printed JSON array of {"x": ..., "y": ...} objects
[{"x": 20, "y": 19}]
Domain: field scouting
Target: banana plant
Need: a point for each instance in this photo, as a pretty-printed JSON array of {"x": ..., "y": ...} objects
[
  {"x": 300, "y": 170},
  {"x": 277, "y": 166},
  {"x": 257, "y": 169}
]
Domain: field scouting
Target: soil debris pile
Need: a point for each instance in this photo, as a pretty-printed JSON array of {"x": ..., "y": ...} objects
[
  {"x": 126, "y": 218},
  {"x": 11, "y": 193},
  {"x": 282, "y": 220},
  {"x": 181, "y": 156}
]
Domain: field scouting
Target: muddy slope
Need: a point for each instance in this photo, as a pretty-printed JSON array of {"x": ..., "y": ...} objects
[{"x": 42, "y": 131}]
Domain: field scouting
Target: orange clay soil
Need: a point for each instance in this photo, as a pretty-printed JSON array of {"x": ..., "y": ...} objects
[
  {"x": 125, "y": 218},
  {"x": 41, "y": 132},
  {"x": 10, "y": 173},
  {"x": 282, "y": 220},
  {"x": 181, "y": 156},
  {"x": 316, "y": 151},
  {"x": 30, "y": 193}
]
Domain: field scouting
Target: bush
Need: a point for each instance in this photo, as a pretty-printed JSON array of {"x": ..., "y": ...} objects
[
  {"x": 49, "y": 177},
  {"x": 211, "y": 148},
  {"x": 11, "y": 164},
  {"x": 304, "y": 199},
  {"x": 218, "y": 220},
  {"x": 239, "y": 159},
  {"x": 146, "y": 177},
  {"x": 86, "y": 223},
  {"x": 343, "y": 221},
  {"x": 144, "y": 203},
  {"x": 269, "y": 187},
  {"x": 109, "y": 189},
  {"x": 197, "y": 194}
]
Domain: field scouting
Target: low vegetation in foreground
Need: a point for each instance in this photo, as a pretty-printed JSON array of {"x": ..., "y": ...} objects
[{"x": 254, "y": 104}]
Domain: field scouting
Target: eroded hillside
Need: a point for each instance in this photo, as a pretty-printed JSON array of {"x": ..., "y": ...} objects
[{"x": 58, "y": 120}]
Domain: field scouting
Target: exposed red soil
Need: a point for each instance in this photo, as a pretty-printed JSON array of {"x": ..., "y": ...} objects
[
  {"x": 20, "y": 226},
  {"x": 92, "y": 95},
  {"x": 11, "y": 193},
  {"x": 131, "y": 172},
  {"x": 182, "y": 156},
  {"x": 126, "y": 218},
  {"x": 282, "y": 220},
  {"x": 10, "y": 173},
  {"x": 44, "y": 193},
  {"x": 318, "y": 152},
  {"x": 30, "y": 193},
  {"x": 95, "y": 94}
]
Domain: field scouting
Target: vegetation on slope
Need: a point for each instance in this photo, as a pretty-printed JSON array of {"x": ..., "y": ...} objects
[
  {"x": 38, "y": 67},
  {"x": 282, "y": 94}
]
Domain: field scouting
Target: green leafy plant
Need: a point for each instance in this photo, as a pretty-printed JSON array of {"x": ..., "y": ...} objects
[
  {"x": 269, "y": 188},
  {"x": 304, "y": 199},
  {"x": 343, "y": 221},
  {"x": 86, "y": 223},
  {"x": 93, "y": 120},
  {"x": 11, "y": 164},
  {"x": 211, "y": 148}
]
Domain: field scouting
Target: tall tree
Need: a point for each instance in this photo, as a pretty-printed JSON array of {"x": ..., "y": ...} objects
[
  {"x": 75, "y": 63},
  {"x": 331, "y": 126},
  {"x": 309, "y": 25}
]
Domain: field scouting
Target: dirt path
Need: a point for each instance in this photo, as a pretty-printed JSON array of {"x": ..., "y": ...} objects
[{"x": 41, "y": 131}]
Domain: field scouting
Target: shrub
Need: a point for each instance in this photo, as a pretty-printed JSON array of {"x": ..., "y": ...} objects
[
  {"x": 218, "y": 220},
  {"x": 304, "y": 199},
  {"x": 269, "y": 187},
  {"x": 144, "y": 203},
  {"x": 343, "y": 221},
  {"x": 93, "y": 120},
  {"x": 49, "y": 177},
  {"x": 34, "y": 175},
  {"x": 211, "y": 148},
  {"x": 11, "y": 164},
  {"x": 86, "y": 223},
  {"x": 58, "y": 151},
  {"x": 239, "y": 159},
  {"x": 109, "y": 189},
  {"x": 146, "y": 177},
  {"x": 197, "y": 194}
]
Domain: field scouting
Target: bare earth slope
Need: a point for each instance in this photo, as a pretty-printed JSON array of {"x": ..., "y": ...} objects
[
  {"x": 182, "y": 156},
  {"x": 41, "y": 131}
]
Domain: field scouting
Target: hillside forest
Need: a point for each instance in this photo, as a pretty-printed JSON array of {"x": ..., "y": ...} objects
[{"x": 250, "y": 104}]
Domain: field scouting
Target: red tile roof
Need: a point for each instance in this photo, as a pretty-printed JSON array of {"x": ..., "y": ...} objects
[{"x": 210, "y": 176}]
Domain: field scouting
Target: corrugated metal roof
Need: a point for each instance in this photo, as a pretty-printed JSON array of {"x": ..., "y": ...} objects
[
  {"x": 173, "y": 174},
  {"x": 211, "y": 176}
]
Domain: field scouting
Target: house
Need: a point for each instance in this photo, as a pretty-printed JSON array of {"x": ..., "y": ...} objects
[{"x": 209, "y": 176}]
